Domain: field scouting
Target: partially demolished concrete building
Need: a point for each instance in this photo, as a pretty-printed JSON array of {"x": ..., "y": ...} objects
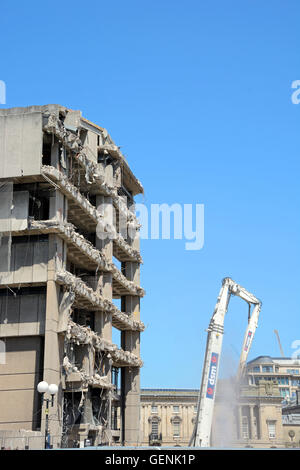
[{"x": 69, "y": 248}]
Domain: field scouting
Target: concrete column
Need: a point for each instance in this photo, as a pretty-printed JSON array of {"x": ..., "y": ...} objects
[
  {"x": 135, "y": 242},
  {"x": 168, "y": 422},
  {"x": 240, "y": 414},
  {"x": 109, "y": 175},
  {"x": 57, "y": 206},
  {"x": 53, "y": 346},
  {"x": 83, "y": 434},
  {"x": 104, "y": 206},
  {"x": 130, "y": 385},
  {"x": 143, "y": 424},
  {"x": 131, "y": 342},
  {"x": 88, "y": 409},
  {"x": 252, "y": 426},
  {"x": 163, "y": 421},
  {"x": 260, "y": 422},
  {"x": 185, "y": 422},
  {"x": 103, "y": 320}
]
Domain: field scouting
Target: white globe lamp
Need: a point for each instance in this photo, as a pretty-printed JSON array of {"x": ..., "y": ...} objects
[
  {"x": 53, "y": 389},
  {"x": 43, "y": 387}
]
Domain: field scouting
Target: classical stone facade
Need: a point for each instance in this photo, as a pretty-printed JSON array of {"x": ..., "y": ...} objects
[
  {"x": 252, "y": 416},
  {"x": 69, "y": 277},
  {"x": 259, "y": 416},
  {"x": 167, "y": 416}
]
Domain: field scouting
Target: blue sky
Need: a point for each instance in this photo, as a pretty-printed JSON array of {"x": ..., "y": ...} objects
[{"x": 198, "y": 95}]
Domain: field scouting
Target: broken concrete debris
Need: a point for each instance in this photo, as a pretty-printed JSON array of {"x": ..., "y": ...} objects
[
  {"x": 91, "y": 211},
  {"x": 97, "y": 302}
]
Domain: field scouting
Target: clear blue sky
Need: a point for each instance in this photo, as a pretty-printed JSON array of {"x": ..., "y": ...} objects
[{"x": 198, "y": 94}]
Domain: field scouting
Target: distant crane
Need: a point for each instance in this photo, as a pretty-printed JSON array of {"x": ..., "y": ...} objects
[{"x": 278, "y": 339}]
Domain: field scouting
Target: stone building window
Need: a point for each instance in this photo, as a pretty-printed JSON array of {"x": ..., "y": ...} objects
[
  {"x": 176, "y": 428},
  {"x": 267, "y": 368},
  {"x": 245, "y": 428},
  {"x": 175, "y": 409},
  {"x": 284, "y": 392},
  {"x": 283, "y": 380},
  {"x": 271, "y": 429},
  {"x": 154, "y": 434},
  {"x": 154, "y": 427},
  {"x": 154, "y": 409}
]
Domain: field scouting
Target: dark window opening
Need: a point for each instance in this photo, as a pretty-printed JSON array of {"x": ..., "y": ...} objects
[
  {"x": 39, "y": 206},
  {"x": 105, "y": 158},
  {"x": 39, "y": 200},
  {"x": 123, "y": 303},
  {"x": 115, "y": 377},
  {"x": 100, "y": 363},
  {"x": 84, "y": 318},
  {"x": 76, "y": 353},
  {"x": 91, "y": 198},
  {"x": 125, "y": 193},
  {"x": 62, "y": 116},
  {"x": 47, "y": 145},
  {"x": 72, "y": 408},
  {"x": 114, "y": 418},
  {"x": 97, "y": 406},
  {"x": 123, "y": 268},
  {"x": 90, "y": 236},
  {"x": 78, "y": 272},
  {"x": 100, "y": 366},
  {"x": 15, "y": 291},
  {"x": 83, "y": 136},
  {"x": 30, "y": 238}
]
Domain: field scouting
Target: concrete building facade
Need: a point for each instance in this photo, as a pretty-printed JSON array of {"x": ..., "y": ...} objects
[{"x": 69, "y": 277}]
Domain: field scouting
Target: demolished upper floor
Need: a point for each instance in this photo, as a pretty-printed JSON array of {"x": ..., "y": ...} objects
[{"x": 55, "y": 135}]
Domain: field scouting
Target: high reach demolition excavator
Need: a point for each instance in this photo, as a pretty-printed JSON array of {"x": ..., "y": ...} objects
[{"x": 203, "y": 424}]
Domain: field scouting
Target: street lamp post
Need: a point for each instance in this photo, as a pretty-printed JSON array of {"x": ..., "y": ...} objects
[{"x": 52, "y": 389}]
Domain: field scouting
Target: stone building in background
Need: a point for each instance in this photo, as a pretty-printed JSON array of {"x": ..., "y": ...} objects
[
  {"x": 69, "y": 275},
  {"x": 167, "y": 416},
  {"x": 260, "y": 414},
  {"x": 261, "y": 420},
  {"x": 284, "y": 370},
  {"x": 255, "y": 417}
]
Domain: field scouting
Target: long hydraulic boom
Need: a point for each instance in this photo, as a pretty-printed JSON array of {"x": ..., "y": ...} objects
[{"x": 202, "y": 429}]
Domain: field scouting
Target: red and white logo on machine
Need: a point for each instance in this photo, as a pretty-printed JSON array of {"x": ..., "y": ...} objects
[
  {"x": 249, "y": 336},
  {"x": 212, "y": 376}
]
